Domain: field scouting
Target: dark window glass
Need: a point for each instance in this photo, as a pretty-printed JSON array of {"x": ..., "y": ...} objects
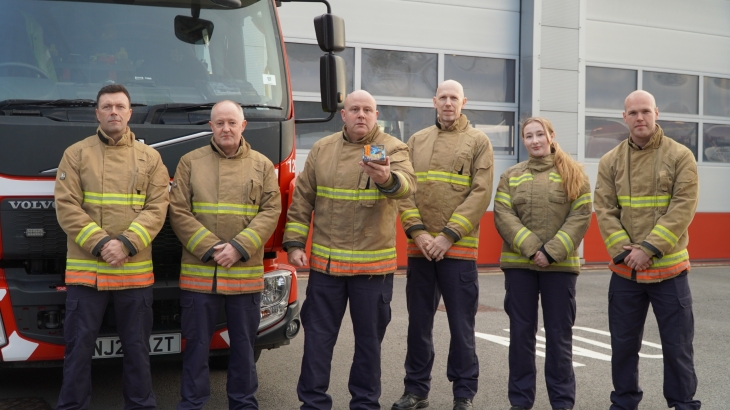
[
  {"x": 716, "y": 142},
  {"x": 484, "y": 79},
  {"x": 402, "y": 122},
  {"x": 684, "y": 133},
  {"x": 603, "y": 134},
  {"x": 308, "y": 134},
  {"x": 674, "y": 93},
  {"x": 499, "y": 127},
  {"x": 607, "y": 88},
  {"x": 304, "y": 66},
  {"x": 717, "y": 97},
  {"x": 399, "y": 73}
]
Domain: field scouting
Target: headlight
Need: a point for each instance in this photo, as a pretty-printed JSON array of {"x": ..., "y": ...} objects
[{"x": 275, "y": 297}]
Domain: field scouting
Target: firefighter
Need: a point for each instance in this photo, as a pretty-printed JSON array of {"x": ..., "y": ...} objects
[
  {"x": 453, "y": 162},
  {"x": 542, "y": 210},
  {"x": 353, "y": 249},
  {"x": 111, "y": 200},
  {"x": 645, "y": 198},
  {"x": 224, "y": 206}
]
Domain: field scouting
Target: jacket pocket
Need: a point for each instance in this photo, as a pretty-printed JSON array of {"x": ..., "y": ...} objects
[
  {"x": 364, "y": 184},
  {"x": 252, "y": 192},
  {"x": 461, "y": 169},
  {"x": 142, "y": 181},
  {"x": 557, "y": 197}
]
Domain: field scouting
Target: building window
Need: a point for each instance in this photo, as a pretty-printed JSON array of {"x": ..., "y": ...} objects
[
  {"x": 674, "y": 93},
  {"x": 499, "y": 127},
  {"x": 484, "y": 79},
  {"x": 717, "y": 97},
  {"x": 684, "y": 133},
  {"x": 607, "y": 88},
  {"x": 399, "y": 73},
  {"x": 308, "y": 134},
  {"x": 716, "y": 142},
  {"x": 603, "y": 135},
  {"x": 304, "y": 66},
  {"x": 403, "y": 122}
]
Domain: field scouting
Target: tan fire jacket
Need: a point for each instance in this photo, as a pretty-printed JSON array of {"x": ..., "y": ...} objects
[
  {"x": 533, "y": 213},
  {"x": 354, "y": 219},
  {"x": 455, "y": 172},
  {"x": 215, "y": 200},
  {"x": 106, "y": 190},
  {"x": 647, "y": 198}
]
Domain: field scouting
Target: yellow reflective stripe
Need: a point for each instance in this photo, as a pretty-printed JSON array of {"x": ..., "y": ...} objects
[
  {"x": 197, "y": 270},
  {"x": 582, "y": 200},
  {"x": 224, "y": 208},
  {"x": 615, "y": 238},
  {"x": 141, "y": 232},
  {"x": 410, "y": 213},
  {"x": 297, "y": 227},
  {"x": 508, "y": 257},
  {"x": 86, "y": 233},
  {"x": 520, "y": 237},
  {"x": 405, "y": 187},
  {"x": 666, "y": 234},
  {"x": 644, "y": 201},
  {"x": 462, "y": 221},
  {"x": 516, "y": 181},
  {"x": 555, "y": 177},
  {"x": 566, "y": 240},
  {"x": 504, "y": 198},
  {"x": 466, "y": 241},
  {"x": 251, "y": 234},
  {"x": 349, "y": 194},
  {"x": 86, "y": 265},
  {"x": 352, "y": 256},
  {"x": 670, "y": 260},
  {"x": 440, "y": 176},
  {"x": 197, "y": 237},
  {"x": 107, "y": 198},
  {"x": 240, "y": 272}
]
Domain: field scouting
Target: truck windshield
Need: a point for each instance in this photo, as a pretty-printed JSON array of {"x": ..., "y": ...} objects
[{"x": 68, "y": 50}]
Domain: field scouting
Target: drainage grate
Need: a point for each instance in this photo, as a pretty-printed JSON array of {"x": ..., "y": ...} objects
[{"x": 24, "y": 403}]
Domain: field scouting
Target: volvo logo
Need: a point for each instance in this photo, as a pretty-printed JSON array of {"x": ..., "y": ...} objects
[{"x": 33, "y": 204}]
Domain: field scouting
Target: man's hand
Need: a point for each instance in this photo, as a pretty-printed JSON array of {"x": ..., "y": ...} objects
[
  {"x": 378, "y": 173},
  {"x": 637, "y": 259},
  {"x": 423, "y": 241},
  {"x": 113, "y": 253},
  {"x": 541, "y": 260},
  {"x": 438, "y": 247},
  {"x": 226, "y": 255},
  {"x": 297, "y": 257}
]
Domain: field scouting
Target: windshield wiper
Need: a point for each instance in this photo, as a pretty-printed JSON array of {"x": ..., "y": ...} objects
[
  {"x": 155, "y": 112},
  {"x": 53, "y": 103}
]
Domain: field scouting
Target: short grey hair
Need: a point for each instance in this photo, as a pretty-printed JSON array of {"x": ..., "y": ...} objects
[{"x": 227, "y": 102}]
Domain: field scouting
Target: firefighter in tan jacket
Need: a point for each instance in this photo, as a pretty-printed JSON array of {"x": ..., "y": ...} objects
[
  {"x": 224, "y": 206},
  {"x": 542, "y": 210},
  {"x": 646, "y": 196},
  {"x": 353, "y": 249},
  {"x": 111, "y": 200},
  {"x": 453, "y": 162}
]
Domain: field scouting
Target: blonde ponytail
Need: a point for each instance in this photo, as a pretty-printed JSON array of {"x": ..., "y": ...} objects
[{"x": 571, "y": 171}]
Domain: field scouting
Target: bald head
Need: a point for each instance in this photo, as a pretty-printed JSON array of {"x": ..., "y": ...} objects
[
  {"x": 640, "y": 115},
  {"x": 225, "y": 103},
  {"x": 449, "y": 101},
  {"x": 360, "y": 114},
  {"x": 640, "y": 95},
  {"x": 227, "y": 124},
  {"x": 360, "y": 96}
]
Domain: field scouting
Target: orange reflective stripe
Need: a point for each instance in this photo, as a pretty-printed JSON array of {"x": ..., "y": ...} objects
[
  {"x": 453, "y": 252},
  {"x": 74, "y": 277},
  {"x": 348, "y": 268},
  {"x": 651, "y": 275},
  {"x": 240, "y": 285},
  {"x": 120, "y": 281},
  {"x": 195, "y": 283}
]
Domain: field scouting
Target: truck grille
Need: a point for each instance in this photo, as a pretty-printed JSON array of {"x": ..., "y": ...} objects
[{"x": 18, "y": 215}]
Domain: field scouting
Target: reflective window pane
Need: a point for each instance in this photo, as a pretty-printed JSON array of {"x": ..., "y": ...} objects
[
  {"x": 499, "y": 127},
  {"x": 607, "y": 88},
  {"x": 684, "y": 133},
  {"x": 308, "y": 134},
  {"x": 484, "y": 79},
  {"x": 399, "y": 73},
  {"x": 717, "y": 96},
  {"x": 304, "y": 66},
  {"x": 402, "y": 122},
  {"x": 716, "y": 142},
  {"x": 603, "y": 134},
  {"x": 674, "y": 93}
]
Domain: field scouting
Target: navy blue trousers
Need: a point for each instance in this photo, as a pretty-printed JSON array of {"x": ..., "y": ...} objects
[
  {"x": 457, "y": 281},
  {"x": 671, "y": 301},
  {"x": 322, "y": 313},
  {"x": 556, "y": 291},
  {"x": 85, "y": 308},
  {"x": 199, "y": 314}
]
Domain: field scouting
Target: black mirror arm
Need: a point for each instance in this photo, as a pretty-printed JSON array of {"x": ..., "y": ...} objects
[{"x": 315, "y": 120}]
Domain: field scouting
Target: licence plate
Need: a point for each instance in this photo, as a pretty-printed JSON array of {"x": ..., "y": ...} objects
[{"x": 107, "y": 347}]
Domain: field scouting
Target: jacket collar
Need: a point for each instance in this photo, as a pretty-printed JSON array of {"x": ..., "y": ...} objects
[
  {"x": 241, "y": 152},
  {"x": 367, "y": 139},
  {"x": 654, "y": 142},
  {"x": 127, "y": 137},
  {"x": 461, "y": 124},
  {"x": 541, "y": 164}
]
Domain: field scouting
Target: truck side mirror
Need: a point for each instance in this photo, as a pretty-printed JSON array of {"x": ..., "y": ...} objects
[
  {"x": 332, "y": 82},
  {"x": 330, "y": 30}
]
